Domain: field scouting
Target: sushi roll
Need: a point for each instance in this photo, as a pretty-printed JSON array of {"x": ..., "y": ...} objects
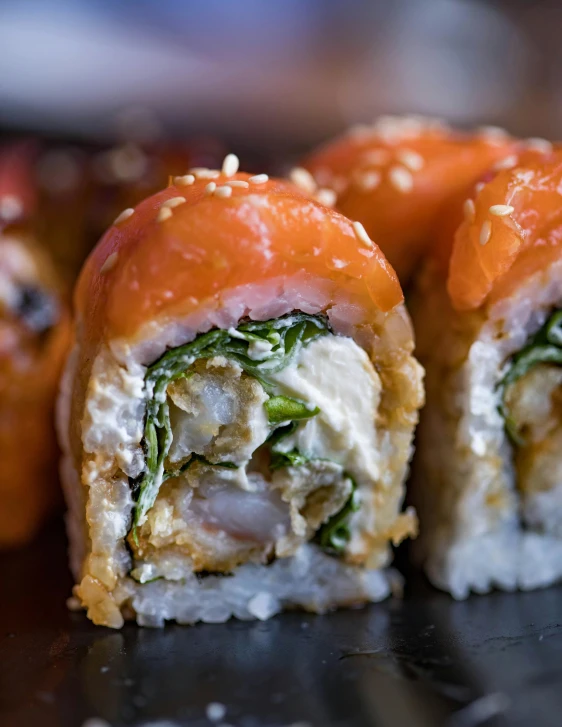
[
  {"x": 34, "y": 333},
  {"x": 395, "y": 176},
  {"x": 81, "y": 190},
  {"x": 488, "y": 476},
  {"x": 237, "y": 413}
]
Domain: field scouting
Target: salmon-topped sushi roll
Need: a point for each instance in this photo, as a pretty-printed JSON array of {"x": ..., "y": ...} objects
[
  {"x": 240, "y": 402},
  {"x": 488, "y": 478},
  {"x": 34, "y": 332},
  {"x": 395, "y": 176}
]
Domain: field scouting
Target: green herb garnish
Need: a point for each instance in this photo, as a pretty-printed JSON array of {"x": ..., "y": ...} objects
[
  {"x": 260, "y": 348},
  {"x": 334, "y": 535},
  {"x": 544, "y": 347}
]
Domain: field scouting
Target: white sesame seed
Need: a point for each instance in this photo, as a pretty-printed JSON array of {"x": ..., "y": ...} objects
[
  {"x": 230, "y": 165},
  {"x": 11, "y": 207},
  {"x": 204, "y": 173},
  {"x": 223, "y": 191},
  {"x": 258, "y": 179},
  {"x": 124, "y": 216},
  {"x": 485, "y": 232},
  {"x": 540, "y": 145},
  {"x": 411, "y": 159},
  {"x": 507, "y": 163},
  {"x": 401, "y": 179},
  {"x": 174, "y": 202},
  {"x": 109, "y": 263},
  {"x": 326, "y": 197},
  {"x": 378, "y": 157},
  {"x": 210, "y": 188},
  {"x": 239, "y": 183},
  {"x": 184, "y": 181},
  {"x": 501, "y": 210},
  {"x": 396, "y": 127},
  {"x": 469, "y": 210},
  {"x": 479, "y": 187},
  {"x": 361, "y": 235},
  {"x": 367, "y": 181},
  {"x": 492, "y": 132},
  {"x": 339, "y": 264},
  {"x": 164, "y": 214},
  {"x": 303, "y": 179}
]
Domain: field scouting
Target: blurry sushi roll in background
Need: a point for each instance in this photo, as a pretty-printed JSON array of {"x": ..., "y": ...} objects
[
  {"x": 395, "y": 175},
  {"x": 238, "y": 410},
  {"x": 82, "y": 188},
  {"x": 34, "y": 335},
  {"x": 488, "y": 475}
]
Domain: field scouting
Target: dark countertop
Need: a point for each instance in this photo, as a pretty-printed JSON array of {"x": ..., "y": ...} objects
[{"x": 424, "y": 661}]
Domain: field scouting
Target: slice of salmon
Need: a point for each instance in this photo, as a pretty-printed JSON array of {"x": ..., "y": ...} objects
[
  {"x": 395, "y": 177},
  {"x": 189, "y": 242},
  {"x": 513, "y": 229}
]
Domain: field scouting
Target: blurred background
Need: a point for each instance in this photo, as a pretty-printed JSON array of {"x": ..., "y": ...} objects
[
  {"x": 112, "y": 96},
  {"x": 280, "y": 74}
]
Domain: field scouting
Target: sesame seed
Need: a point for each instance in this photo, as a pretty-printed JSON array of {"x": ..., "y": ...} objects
[
  {"x": 210, "y": 188},
  {"x": 396, "y": 127},
  {"x": 479, "y": 187},
  {"x": 174, "y": 202},
  {"x": 326, "y": 197},
  {"x": 124, "y": 216},
  {"x": 501, "y": 210},
  {"x": 11, "y": 207},
  {"x": 184, "y": 181},
  {"x": 377, "y": 157},
  {"x": 367, "y": 181},
  {"x": 303, "y": 179},
  {"x": 507, "y": 163},
  {"x": 109, "y": 263},
  {"x": 540, "y": 145},
  {"x": 469, "y": 210},
  {"x": 258, "y": 179},
  {"x": 492, "y": 132},
  {"x": 223, "y": 191},
  {"x": 338, "y": 264},
  {"x": 361, "y": 234},
  {"x": 164, "y": 214},
  {"x": 239, "y": 183},
  {"x": 204, "y": 173},
  {"x": 401, "y": 179},
  {"x": 485, "y": 232},
  {"x": 411, "y": 159},
  {"x": 230, "y": 165}
]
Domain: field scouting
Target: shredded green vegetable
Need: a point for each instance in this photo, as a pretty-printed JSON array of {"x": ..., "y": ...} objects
[
  {"x": 334, "y": 535},
  {"x": 260, "y": 348},
  {"x": 544, "y": 347}
]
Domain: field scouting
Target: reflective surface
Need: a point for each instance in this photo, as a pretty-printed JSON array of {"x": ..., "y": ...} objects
[{"x": 425, "y": 661}]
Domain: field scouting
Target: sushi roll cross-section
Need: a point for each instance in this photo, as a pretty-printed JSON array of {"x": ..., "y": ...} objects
[{"x": 237, "y": 413}]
